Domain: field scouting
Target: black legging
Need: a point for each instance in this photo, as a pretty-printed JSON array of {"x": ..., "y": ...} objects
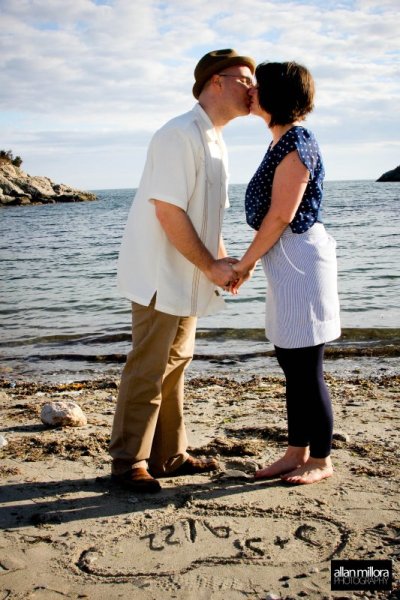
[{"x": 309, "y": 408}]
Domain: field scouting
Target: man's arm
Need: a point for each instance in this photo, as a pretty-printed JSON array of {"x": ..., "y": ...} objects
[{"x": 183, "y": 236}]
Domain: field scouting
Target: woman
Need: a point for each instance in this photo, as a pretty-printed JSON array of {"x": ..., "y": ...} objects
[{"x": 283, "y": 202}]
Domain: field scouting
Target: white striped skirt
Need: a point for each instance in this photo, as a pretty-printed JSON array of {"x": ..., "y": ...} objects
[{"x": 302, "y": 306}]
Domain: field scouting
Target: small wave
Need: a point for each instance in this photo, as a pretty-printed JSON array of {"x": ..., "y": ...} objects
[
  {"x": 69, "y": 339},
  {"x": 333, "y": 351},
  {"x": 99, "y": 358},
  {"x": 372, "y": 334}
]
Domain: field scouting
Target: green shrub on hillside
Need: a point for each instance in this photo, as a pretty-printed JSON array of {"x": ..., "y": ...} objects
[{"x": 7, "y": 155}]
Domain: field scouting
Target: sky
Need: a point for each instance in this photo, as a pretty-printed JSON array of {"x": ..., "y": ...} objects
[{"x": 85, "y": 83}]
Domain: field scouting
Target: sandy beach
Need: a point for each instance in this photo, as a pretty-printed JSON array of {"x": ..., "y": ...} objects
[{"x": 67, "y": 533}]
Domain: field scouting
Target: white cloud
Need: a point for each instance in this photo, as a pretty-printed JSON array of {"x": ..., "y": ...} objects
[{"x": 80, "y": 75}]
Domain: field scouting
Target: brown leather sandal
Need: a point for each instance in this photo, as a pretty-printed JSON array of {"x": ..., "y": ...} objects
[{"x": 192, "y": 466}]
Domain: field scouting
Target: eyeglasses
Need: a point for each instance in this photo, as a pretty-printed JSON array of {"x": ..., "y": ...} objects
[{"x": 248, "y": 81}]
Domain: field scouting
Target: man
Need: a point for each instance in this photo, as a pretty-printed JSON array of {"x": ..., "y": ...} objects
[{"x": 171, "y": 262}]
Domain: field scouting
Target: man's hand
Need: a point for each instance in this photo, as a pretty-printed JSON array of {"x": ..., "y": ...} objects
[{"x": 221, "y": 272}]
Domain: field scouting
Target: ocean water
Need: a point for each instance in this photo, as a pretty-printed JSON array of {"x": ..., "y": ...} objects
[{"x": 61, "y": 316}]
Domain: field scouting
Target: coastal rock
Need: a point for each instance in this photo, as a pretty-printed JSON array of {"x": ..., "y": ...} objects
[
  {"x": 393, "y": 175},
  {"x": 341, "y": 436},
  {"x": 18, "y": 188},
  {"x": 63, "y": 414}
]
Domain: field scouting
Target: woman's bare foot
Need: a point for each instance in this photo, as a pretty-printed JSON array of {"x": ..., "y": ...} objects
[
  {"x": 314, "y": 470},
  {"x": 294, "y": 458}
]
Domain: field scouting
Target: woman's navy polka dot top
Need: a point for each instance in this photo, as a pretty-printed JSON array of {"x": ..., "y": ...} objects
[{"x": 258, "y": 193}]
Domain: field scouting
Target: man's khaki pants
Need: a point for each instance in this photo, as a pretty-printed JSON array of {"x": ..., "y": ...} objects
[{"x": 148, "y": 424}]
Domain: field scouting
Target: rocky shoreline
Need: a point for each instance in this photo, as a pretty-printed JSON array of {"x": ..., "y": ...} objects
[{"x": 17, "y": 188}]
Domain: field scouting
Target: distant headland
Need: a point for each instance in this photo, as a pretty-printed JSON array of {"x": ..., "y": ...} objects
[
  {"x": 17, "y": 188},
  {"x": 393, "y": 175}
]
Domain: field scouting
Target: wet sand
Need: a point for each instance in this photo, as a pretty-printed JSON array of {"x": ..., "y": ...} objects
[{"x": 67, "y": 533}]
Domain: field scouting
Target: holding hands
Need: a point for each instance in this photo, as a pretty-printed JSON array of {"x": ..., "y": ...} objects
[
  {"x": 221, "y": 272},
  {"x": 229, "y": 274},
  {"x": 243, "y": 273}
]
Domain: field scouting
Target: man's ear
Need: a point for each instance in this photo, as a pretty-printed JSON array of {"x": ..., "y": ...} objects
[{"x": 216, "y": 80}]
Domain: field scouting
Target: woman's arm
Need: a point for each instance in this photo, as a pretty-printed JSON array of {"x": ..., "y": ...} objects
[
  {"x": 222, "y": 253},
  {"x": 288, "y": 187}
]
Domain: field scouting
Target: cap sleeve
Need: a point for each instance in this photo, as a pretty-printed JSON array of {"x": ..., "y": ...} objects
[{"x": 307, "y": 149}]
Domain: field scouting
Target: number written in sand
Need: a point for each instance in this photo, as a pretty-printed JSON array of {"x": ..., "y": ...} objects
[
  {"x": 169, "y": 536},
  {"x": 200, "y": 532},
  {"x": 165, "y": 538}
]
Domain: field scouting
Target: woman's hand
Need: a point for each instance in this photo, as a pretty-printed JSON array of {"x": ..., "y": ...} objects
[{"x": 243, "y": 274}]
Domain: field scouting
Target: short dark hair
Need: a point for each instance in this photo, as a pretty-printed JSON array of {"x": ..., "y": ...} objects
[{"x": 285, "y": 91}]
